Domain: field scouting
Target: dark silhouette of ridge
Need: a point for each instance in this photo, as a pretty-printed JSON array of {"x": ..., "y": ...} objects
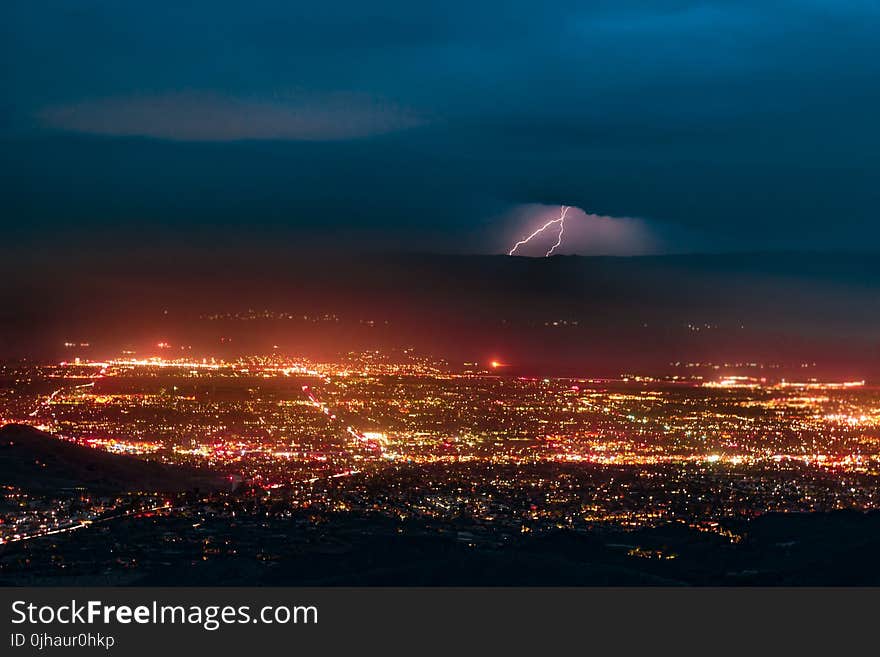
[{"x": 38, "y": 462}]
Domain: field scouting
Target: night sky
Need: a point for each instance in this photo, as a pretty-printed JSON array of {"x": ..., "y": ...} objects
[{"x": 449, "y": 127}]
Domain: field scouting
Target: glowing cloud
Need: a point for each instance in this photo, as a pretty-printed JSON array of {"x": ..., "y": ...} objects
[{"x": 580, "y": 232}]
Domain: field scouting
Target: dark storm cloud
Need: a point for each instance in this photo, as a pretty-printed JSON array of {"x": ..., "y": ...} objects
[
  {"x": 197, "y": 117},
  {"x": 751, "y": 123}
]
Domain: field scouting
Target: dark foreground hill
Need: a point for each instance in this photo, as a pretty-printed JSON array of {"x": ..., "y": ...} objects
[
  {"x": 202, "y": 548},
  {"x": 38, "y": 462}
]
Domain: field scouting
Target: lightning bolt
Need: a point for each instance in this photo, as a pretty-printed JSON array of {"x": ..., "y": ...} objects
[{"x": 560, "y": 221}]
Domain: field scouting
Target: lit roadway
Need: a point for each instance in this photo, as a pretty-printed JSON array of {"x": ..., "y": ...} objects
[{"x": 64, "y": 529}]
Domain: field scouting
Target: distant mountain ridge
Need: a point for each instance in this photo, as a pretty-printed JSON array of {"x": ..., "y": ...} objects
[{"x": 587, "y": 315}]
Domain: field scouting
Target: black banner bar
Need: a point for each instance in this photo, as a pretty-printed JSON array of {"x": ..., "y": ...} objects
[{"x": 412, "y": 621}]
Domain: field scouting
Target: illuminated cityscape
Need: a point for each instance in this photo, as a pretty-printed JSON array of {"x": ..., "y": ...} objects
[{"x": 416, "y": 441}]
